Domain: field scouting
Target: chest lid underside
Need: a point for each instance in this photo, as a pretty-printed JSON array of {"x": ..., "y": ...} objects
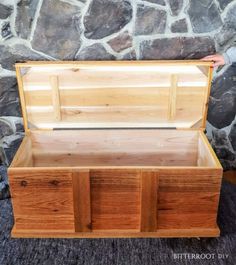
[{"x": 114, "y": 94}]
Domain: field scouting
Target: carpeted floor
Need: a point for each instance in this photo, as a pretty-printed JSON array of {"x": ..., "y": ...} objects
[{"x": 122, "y": 251}]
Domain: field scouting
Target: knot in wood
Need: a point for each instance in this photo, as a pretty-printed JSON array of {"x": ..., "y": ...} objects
[{"x": 23, "y": 183}]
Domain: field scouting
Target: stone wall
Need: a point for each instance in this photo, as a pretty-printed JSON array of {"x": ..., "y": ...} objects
[{"x": 118, "y": 30}]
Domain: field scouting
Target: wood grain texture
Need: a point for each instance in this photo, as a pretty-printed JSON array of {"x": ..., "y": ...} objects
[
  {"x": 166, "y": 233},
  {"x": 94, "y": 64},
  {"x": 22, "y": 97},
  {"x": 54, "y": 83},
  {"x": 81, "y": 201},
  {"x": 188, "y": 200},
  {"x": 173, "y": 97},
  {"x": 42, "y": 200},
  {"x": 115, "y": 148},
  {"x": 115, "y": 199},
  {"x": 149, "y": 205},
  {"x": 24, "y": 155},
  {"x": 207, "y": 95},
  {"x": 115, "y": 94},
  {"x": 115, "y": 183}
]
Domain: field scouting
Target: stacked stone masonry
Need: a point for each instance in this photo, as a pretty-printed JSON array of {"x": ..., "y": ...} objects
[{"x": 118, "y": 30}]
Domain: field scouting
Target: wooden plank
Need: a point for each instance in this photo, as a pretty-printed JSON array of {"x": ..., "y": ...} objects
[
  {"x": 114, "y": 96},
  {"x": 205, "y": 150},
  {"x": 207, "y": 95},
  {"x": 172, "y": 97},
  {"x": 42, "y": 200},
  {"x": 54, "y": 82},
  {"x": 22, "y": 98},
  {"x": 115, "y": 148},
  {"x": 185, "y": 170},
  {"x": 188, "y": 199},
  {"x": 115, "y": 199},
  {"x": 149, "y": 189},
  {"x": 95, "y": 64},
  {"x": 81, "y": 201},
  {"x": 24, "y": 155},
  {"x": 100, "y": 97},
  {"x": 86, "y": 79},
  {"x": 162, "y": 233},
  {"x": 108, "y": 117}
]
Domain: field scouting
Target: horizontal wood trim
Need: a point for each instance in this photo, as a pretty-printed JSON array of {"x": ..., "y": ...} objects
[
  {"x": 202, "y": 171},
  {"x": 94, "y": 64},
  {"x": 163, "y": 233}
]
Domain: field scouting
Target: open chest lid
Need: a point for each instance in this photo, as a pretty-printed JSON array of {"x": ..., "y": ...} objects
[{"x": 114, "y": 94}]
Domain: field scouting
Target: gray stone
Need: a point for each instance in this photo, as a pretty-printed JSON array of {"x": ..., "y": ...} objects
[
  {"x": 175, "y": 6},
  {"x": 222, "y": 146},
  {"x": 179, "y": 26},
  {"x": 206, "y": 3},
  {"x": 5, "y": 11},
  {"x": 6, "y": 31},
  {"x": 159, "y": 2},
  {"x": 227, "y": 165},
  {"x": 222, "y": 111},
  {"x": 25, "y": 15},
  {"x": 9, "y": 55},
  {"x": 227, "y": 33},
  {"x": 105, "y": 17},
  {"x": 9, "y": 98},
  {"x": 232, "y": 136},
  {"x": 224, "y": 153},
  {"x": 149, "y": 21},
  {"x": 225, "y": 83},
  {"x": 94, "y": 52},
  {"x": 204, "y": 16},
  {"x": 5, "y": 128},
  {"x": 222, "y": 105},
  {"x": 19, "y": 127},
  {"x": 4, "y": 185},
  {"x": 121, "y": 42},
  {"x": 224, "y": 3},
  {"x": 177, "y": 48},
  {"x": 130, "y": 56},
  {"x": 220, "y": 137},
  {"x": 57, "y": 33},
  {"x": 9, "y": 146},
  {"x": 10, "y": 125}
]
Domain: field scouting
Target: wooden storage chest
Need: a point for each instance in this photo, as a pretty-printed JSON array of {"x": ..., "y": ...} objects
[{"x": 115, "y": 149}]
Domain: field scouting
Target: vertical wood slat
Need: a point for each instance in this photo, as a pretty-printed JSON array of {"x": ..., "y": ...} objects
[
  {"x": 54, "y": 82},
  {"x": 82, "y": 201},
  {"x": 149, "y": 190},
  {"x": 22, "y": 98},
  {"x": 172, "y": 97},
  {"x": 207, "y": 95}
]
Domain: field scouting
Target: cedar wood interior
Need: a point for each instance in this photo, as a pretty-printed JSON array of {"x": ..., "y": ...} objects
[
  {"x": 123, "y": 147},
  {"x": 102, "y": 94}
]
